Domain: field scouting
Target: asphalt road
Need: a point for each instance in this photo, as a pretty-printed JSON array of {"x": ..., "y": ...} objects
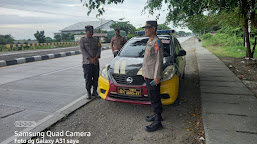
[
  {"x": 33, "y": 91},
  {"x": 28, "y": 53}
]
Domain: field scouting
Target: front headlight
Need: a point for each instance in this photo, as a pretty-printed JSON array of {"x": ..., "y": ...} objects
[
  {"x": 168, "y": 73},
  {"x": 104, "y": 72}
]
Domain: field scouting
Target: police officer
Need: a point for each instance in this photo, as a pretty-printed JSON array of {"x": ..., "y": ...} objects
[
  {"x": 117, "y": 41},
  {"x": 152, "y": 72},
  {"x": 91, "y": 49}
]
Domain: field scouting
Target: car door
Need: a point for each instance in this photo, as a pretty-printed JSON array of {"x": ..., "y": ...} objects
[{"x": 179, "y": 60}]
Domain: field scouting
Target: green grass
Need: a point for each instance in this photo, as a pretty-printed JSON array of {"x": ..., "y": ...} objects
[{"x": 223, "y": 45}]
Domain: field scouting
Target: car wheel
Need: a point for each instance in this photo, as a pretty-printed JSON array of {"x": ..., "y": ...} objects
[
  {"x": 183, "y": 76},
  {"x": 177, "y": 102}
]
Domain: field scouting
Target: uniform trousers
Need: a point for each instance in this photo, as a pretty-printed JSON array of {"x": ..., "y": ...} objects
[
  {"x": 91, "y": 74},
  {"x": 154, "y": 96}
]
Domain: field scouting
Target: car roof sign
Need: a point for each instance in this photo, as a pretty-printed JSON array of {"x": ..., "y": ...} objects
[
  {"x": 139, "y": 33},
  {"x": 165, "y": 41}
]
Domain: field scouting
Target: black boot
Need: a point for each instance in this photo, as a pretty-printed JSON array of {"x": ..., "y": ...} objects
[
  {"x": 151, "y": 118},
  {"x": 88, "y": 94},
  {"x": 156, "y": 125},
  {"x": 95, "y": 93}
]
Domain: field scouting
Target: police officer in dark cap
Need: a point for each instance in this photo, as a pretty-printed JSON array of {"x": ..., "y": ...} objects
[
  {"x": 91, "y": 50},
  {"x": 152, "y": 72}
]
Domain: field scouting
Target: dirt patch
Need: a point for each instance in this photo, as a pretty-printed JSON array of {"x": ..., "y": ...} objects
[{"x": 244, "y": 69}]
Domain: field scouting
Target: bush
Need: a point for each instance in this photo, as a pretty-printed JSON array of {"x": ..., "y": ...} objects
[
  {"x": 129, "y": 36},
  {"x": 234, "y": 41},
  {"x": 218, "y": 40},
  {"x": 6, "y": 39},
  {"x": 206, "y": 36},
  {"x": 225, "y": 45}
]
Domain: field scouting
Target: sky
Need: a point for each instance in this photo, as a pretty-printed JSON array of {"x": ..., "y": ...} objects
[{"x": 22, "y": 18}]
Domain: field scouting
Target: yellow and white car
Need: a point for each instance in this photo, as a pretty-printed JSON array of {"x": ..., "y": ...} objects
[{"x": 121, "y": 80}]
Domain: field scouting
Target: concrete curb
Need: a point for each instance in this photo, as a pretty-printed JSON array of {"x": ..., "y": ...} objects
[{"x": 22, "y": 60}]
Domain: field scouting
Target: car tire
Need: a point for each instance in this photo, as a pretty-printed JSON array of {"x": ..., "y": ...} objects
[
  {"x": 177, "y": 101},
  {"x": 183, "y": 76}
]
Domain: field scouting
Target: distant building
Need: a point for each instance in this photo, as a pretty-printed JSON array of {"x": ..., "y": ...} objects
[
  {"x": 80, "y": 27},
  {"x": 25, "y": 41}
]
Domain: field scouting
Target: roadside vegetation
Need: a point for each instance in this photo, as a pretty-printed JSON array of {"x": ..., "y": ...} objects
[
  {"x": 202, "y": 17},
  {"x": 224, "y": 45}
]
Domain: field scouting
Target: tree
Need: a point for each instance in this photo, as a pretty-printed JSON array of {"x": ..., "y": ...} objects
[
  {"x": 181, "y": 11},
  {"x": 40, "y": 36},
  {"x": 140, "y": 29},
  {"x": 181, "y": 33},
  {"x": 126, "y": 26},
  {"x": 99, "y": 31},
  {"x": 67, "y": 37},
  {"x": 48, "y": 40},
  {"x": 185, "y": 12},
  {"x": 6, "y": 39},
  {"x": 163, "y": 27},
  {"x": 57, "y": 38}
]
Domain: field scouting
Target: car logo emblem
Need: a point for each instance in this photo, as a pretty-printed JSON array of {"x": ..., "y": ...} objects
[{"x": 130, "y": 80}]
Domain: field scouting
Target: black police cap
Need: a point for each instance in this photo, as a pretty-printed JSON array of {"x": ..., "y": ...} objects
[
  {"x": 89, "y": 28},
  {"x": 149, "y": 24}
]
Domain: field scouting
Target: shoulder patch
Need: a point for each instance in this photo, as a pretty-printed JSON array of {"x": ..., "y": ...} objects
[
  {"x": 157, "y": 45},
  {"x": 99, "y": 44}
]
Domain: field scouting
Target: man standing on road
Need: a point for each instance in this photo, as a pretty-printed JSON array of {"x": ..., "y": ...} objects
[
  {"x": 117, "y": 41},
  {"x": 91, "y": 49},
  {"x": 152, "y": 72}
]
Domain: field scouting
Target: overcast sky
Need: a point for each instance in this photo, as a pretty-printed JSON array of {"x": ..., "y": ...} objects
[{"x": 22, "y": 18}]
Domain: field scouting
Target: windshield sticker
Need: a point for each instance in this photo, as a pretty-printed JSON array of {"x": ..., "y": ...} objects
[{"x": 166, "y": 41}]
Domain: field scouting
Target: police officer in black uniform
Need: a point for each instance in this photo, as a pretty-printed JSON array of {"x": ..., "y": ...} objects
[
  {"x": 152, "y": 72},
  {"x": 91, "y": 49}
]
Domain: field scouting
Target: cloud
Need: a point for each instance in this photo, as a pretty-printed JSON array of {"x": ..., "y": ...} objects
[
  {"x": 15, "y": 19},
  {"x": 22, "y": 18},
  {"x": 26, "y": 31}
]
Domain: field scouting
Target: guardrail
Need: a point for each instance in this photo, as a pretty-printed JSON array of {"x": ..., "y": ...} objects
[{"x": 40, "y": 44}]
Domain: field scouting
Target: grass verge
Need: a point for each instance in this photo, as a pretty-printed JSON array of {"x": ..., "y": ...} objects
[{"x": 223, "y": 45}]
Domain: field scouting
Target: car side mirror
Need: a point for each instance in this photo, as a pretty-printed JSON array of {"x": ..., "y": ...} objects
[
  {"x": 115, "y": 53},
  {"x": 181, "y": 53}
]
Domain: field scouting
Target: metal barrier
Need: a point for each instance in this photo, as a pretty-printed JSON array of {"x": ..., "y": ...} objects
[{"x": 40, "y": 44}]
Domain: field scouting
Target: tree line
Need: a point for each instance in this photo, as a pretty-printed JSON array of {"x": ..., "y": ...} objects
[
  {"x": 69, "y": 37},
  {"x": 202, "y": 16}
]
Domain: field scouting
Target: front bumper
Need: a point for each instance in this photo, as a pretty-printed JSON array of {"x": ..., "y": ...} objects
[{"x": 108, "y": 91}]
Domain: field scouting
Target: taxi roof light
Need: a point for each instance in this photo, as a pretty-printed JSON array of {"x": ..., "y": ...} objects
[{"x": 138, "y": 33}]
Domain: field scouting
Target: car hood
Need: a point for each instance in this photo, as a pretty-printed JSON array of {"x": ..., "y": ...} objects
[{"x": 126, "y": 65}]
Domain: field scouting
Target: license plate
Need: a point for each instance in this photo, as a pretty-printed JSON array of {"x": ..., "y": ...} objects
[{"x": 129, "y": 91}]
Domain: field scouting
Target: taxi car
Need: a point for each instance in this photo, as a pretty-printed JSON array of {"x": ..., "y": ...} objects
[{"x": 121, "y": 80}]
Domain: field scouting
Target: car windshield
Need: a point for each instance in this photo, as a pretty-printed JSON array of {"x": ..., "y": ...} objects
[{"x": 136, "y": 48}]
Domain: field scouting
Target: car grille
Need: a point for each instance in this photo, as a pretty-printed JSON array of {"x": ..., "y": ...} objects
[
  {"x": 122, "y": 79},
  {"x": 132, "y": 98}
]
